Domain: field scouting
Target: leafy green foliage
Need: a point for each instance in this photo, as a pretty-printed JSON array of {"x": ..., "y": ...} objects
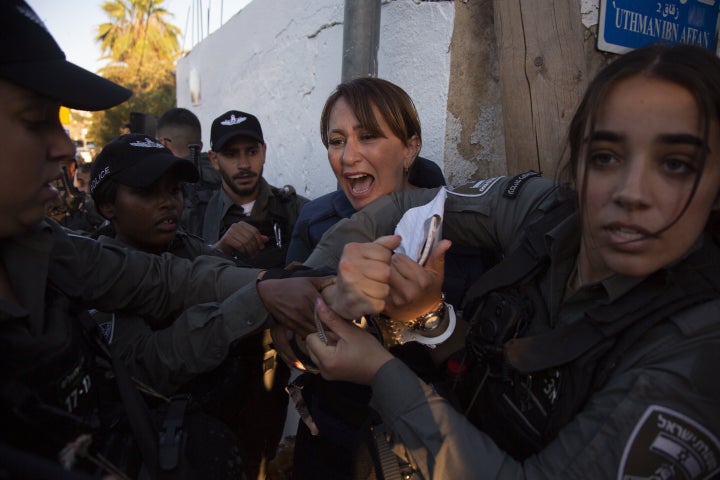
[{"x": 141, "y": 47}]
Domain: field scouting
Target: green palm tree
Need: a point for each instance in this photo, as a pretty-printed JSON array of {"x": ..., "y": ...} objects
[
  {"x": 138, "y": 31},
  {"x": 141, "y": 47}
]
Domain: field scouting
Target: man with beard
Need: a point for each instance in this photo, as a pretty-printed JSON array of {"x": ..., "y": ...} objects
[
  {"x": 247, "y": 217},
  {"x": 252, "y": 221}
]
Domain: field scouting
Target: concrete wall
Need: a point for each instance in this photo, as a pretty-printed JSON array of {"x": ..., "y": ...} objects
[{"x": 280, "y": 59}]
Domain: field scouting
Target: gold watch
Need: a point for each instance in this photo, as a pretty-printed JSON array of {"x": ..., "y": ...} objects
[{"x": 430, "y": 320}]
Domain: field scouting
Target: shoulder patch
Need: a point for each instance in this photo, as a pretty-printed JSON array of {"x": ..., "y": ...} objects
[
  {"x": 666, "y": 444},
  {"x": 476, "y": 188},
  {"x": 515, "y": 183}
]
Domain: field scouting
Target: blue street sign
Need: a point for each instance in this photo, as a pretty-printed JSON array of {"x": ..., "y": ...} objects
[{"x": 629, "y": 24}]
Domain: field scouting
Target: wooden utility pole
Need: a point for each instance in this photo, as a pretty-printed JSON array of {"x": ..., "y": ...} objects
[{"x": 543, "y": 74}]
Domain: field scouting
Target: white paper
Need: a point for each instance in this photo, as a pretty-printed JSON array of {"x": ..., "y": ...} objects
[{"x": 414, "y": 224}]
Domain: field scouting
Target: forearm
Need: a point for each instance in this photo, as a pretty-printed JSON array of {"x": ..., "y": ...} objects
[
  {"x": 151, "y": 285},
  {"x": 197, "y": 341},
  {"x": 440, "y": 441},
  {"x": 595, "y": 442},
  {"x": 377, "y": 219}
]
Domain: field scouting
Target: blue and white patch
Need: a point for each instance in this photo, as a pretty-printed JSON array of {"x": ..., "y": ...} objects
[
  {"x": 515, "y": 184},
  {"x": 476, "y": 188},
  {"x": 666, "y": 444}
]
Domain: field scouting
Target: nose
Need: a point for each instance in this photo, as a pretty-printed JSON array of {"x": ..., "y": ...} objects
[
  {"x": 350, "y": 152},
  {"x": 243, "y": 161},
  {"x": 168, "y": 199},
  {"x": 632, "y": 190}
]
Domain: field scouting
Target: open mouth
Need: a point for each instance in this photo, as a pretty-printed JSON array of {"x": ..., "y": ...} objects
[
  {"x": 360, "y": 183},
  {"x": 629, "y": 237},
  {"x": 168, "y": 222},
  {"x": 627, "y": 234}
]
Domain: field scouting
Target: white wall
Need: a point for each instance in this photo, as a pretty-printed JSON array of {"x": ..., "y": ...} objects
[{"x": 280, "y": 59}]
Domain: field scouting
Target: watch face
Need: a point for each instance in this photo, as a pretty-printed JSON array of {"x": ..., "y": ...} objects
[{"x": 432, "y": 322}]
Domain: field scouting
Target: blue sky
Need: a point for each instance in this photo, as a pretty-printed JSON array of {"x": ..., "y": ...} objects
[{"x": 73, "y": 23}]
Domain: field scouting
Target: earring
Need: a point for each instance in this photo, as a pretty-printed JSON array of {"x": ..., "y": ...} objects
[{"x": 406, "y": 170}]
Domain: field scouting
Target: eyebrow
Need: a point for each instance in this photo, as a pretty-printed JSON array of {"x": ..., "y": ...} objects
[
  {"x": 606, "y": 136},
  {"x": 667, "y": 138},
  {"x": 682, "y": 138}
]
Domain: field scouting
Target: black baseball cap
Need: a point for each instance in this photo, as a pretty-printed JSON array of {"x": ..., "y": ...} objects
[
  {"x": 30, "y": 58},
  {"x": 137, "y": 160},
  {"x": 234, "y": 124}
]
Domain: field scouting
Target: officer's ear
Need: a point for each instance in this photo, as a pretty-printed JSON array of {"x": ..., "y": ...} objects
[
  {"x": 263, "y": 147},
  {"x": 213, "y": 159}
]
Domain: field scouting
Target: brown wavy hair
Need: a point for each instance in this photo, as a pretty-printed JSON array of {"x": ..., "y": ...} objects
[{"x": 393, "y": 103}]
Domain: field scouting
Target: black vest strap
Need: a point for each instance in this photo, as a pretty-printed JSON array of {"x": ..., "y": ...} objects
[
  {"x": 138, "y": 412},
  {"x": 519, "y": 263},
  {"x": 531, "y": 354}
]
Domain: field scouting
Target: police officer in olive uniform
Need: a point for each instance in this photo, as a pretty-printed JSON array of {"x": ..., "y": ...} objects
[
  {"x": 649, "y": 372},
  {"x": 252, "y": 221},
  {"x": 232, "y": 379},
  {"x": 247, "y": 217}
]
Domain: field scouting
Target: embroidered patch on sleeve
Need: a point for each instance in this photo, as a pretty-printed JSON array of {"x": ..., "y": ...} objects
[
  {"x": 476, "y": 188},
  {"x": 513, "y": 187},
  {"x": 667, "y": 444}
]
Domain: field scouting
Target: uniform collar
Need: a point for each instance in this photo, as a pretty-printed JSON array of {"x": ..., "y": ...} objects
[{"x": 260, "y": 202}]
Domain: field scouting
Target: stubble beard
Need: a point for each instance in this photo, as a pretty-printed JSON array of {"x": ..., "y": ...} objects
[{"x": 241, "y": 192}]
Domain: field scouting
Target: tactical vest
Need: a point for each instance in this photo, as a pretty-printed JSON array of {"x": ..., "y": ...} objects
[
  {"x": 59, "y": 393},
  {"x": 276, "y": 223},
  {"x": 523, "y": 389},
  {"x": 64, "y": 396}
]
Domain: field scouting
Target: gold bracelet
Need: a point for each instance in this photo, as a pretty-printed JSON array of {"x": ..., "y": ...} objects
[{"x": 431, "y": 320}]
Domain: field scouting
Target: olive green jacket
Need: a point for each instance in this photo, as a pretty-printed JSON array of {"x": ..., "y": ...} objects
[{"x": 658, "y": 412}]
